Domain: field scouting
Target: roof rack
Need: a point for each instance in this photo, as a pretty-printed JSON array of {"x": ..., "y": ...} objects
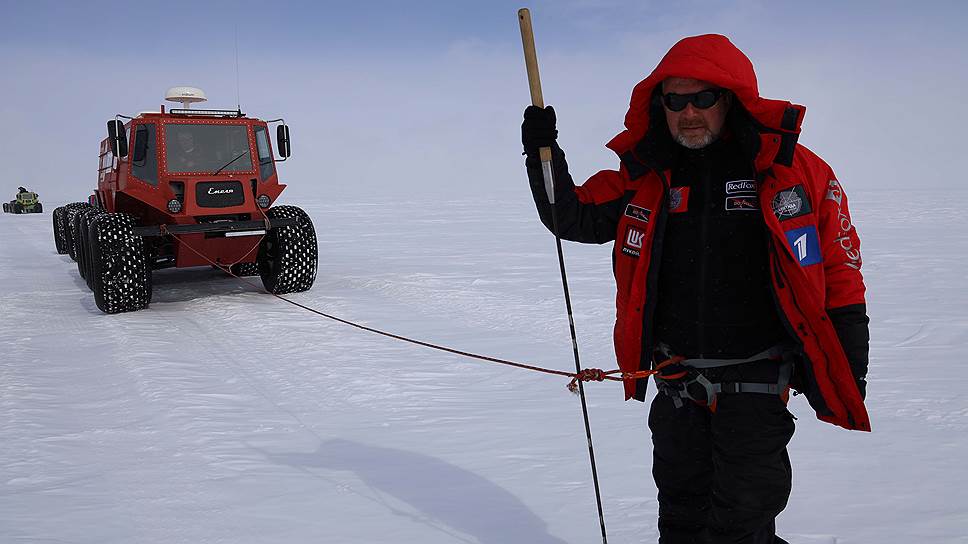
[{"x": 207, "y": 113}]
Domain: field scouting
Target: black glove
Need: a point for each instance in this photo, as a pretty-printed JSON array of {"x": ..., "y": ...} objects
[
  {"x": 538, "y": 128},
  {"x": 852, "y": 326}
]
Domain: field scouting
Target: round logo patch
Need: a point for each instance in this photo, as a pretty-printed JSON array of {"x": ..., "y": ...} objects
[
  {"x": 787, "y": 204},
  {"x": 675, "y": 199},
  {"x": 678, "y": 199}
]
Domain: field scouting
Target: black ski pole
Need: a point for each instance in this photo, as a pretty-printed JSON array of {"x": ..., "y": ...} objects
[{"x": 534, "y": 81}]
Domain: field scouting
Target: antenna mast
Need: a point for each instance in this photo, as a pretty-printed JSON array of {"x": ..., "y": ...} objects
[{"x": 238, "y": 100}]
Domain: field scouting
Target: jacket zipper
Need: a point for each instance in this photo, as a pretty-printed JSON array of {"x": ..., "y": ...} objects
[
  {"x": 652, "y": 276},
  {"x": 706, "y": 180}
]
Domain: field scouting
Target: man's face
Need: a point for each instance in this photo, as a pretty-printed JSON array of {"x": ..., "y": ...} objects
[
  {"x": 693, "y": 127},
  {"x": 186, "y": 141}
]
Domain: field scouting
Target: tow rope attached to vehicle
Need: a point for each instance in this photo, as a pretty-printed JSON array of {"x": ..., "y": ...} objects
[{"x": 585, "y": 375}]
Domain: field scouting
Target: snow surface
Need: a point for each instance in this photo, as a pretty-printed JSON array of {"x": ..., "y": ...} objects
[{"x": 221, "y": 414}]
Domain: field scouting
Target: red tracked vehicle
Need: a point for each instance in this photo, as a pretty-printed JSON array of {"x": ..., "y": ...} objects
[{"x": 196, "y": 188}]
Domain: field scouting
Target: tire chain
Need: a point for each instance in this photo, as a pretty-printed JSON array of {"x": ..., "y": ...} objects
[
  {"x": 245, "y": 269},
  {"x": 121, "y": 277},
  {"x": 87, "y": 220},
  {"x": 297, "y": 252},
  {"x": 60, "y": 238},
  {"x": 81, "y": 249},
  {"x": 71, "y": 210}
]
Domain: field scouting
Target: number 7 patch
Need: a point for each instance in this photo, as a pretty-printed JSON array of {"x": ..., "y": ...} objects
[{"x": 805, "y": 244}]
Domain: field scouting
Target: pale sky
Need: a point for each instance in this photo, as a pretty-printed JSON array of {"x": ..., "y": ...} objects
[{"x": 414, "y": 97}]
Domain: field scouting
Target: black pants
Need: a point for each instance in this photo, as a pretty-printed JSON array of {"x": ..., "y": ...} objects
[{"x": 723, "y": 477}]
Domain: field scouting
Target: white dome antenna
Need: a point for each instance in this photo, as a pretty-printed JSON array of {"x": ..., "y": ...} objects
[{"x": 186, "y": 95}]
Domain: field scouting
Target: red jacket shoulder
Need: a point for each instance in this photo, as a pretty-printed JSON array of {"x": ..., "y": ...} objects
[
  {"x": 604, "y": 186},
  {"x": 813, "y": 168}
]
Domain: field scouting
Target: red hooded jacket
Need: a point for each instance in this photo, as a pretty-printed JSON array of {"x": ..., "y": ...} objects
[{"x": 814, "y": 250}]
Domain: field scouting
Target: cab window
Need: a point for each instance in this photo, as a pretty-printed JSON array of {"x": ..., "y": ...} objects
[
  {"x": 144, "y": 157},
  {"x": 201, "y": 148},
  {"x": 267, "y": 166}
]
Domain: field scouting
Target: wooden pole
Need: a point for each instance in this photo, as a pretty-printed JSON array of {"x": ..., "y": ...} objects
[
  {"x": 534, "y": 81},
  {"x": 531, "y": 63}
]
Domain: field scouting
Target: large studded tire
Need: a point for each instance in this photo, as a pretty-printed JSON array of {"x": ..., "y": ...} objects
[
  {"x": 84, "y": 260},
  {"x": 71, "y": 236},
  {"x": 245, "y": 269},
  {"x": 39, "y": 208},
  {"x": 57, "y": 221},
  {"x": 80, "y": 244},
  {"x": 88, "y": 252},
  {"x": 288, "y": 255},
  {"x": 119, "y": 268},
  {"x": 6, "y": 207}
]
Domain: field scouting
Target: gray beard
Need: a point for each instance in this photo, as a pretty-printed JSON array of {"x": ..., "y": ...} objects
[{"x": 696, "y": 143}]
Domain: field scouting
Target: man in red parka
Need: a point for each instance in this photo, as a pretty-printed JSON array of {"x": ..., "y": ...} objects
[{"x": 737, "y": 270}]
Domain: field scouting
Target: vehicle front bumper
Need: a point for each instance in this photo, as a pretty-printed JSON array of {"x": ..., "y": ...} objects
[{"x": 226, "y": 228}]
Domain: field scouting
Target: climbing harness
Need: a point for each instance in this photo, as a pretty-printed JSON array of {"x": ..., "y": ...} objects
[{"x": 691, "y": 384}]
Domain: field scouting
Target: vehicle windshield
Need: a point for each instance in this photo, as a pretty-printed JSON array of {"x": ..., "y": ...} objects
[{"x": 206, "y": 148}]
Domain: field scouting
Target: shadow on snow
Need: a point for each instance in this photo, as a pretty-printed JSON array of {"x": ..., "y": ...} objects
[{"x": 437, "y": 490}]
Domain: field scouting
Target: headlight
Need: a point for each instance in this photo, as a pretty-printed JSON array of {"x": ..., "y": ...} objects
[
  {"x": 174, "y": 206},
  {"x": 263, "y": 201}
]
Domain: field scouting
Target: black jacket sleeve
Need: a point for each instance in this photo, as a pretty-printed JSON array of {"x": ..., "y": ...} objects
[
  {"x": 852, "y": 325},
  {"x": 578, "y": 221}
]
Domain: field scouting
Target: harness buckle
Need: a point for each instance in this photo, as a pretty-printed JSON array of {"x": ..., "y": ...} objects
[{"x": 694, "y": 386}]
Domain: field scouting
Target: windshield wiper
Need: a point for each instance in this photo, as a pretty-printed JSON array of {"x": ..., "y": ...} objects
[{"x": 230, "y": 162}]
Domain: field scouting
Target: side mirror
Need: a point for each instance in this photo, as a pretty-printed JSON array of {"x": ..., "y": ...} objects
[
  {"x": 119, "y": 144},
  {"x": 282, "y": 141}
]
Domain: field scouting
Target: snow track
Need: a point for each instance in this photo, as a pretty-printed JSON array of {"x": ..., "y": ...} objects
[{"x": 221, "y": 414}]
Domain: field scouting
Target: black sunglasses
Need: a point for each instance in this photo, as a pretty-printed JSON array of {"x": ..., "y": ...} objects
[{"x": 702, "y": 100}]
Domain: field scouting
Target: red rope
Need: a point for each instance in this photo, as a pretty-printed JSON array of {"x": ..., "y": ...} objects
[
  {"x": 597, "y": 375},
  {"x": 586, "y": 375}
]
